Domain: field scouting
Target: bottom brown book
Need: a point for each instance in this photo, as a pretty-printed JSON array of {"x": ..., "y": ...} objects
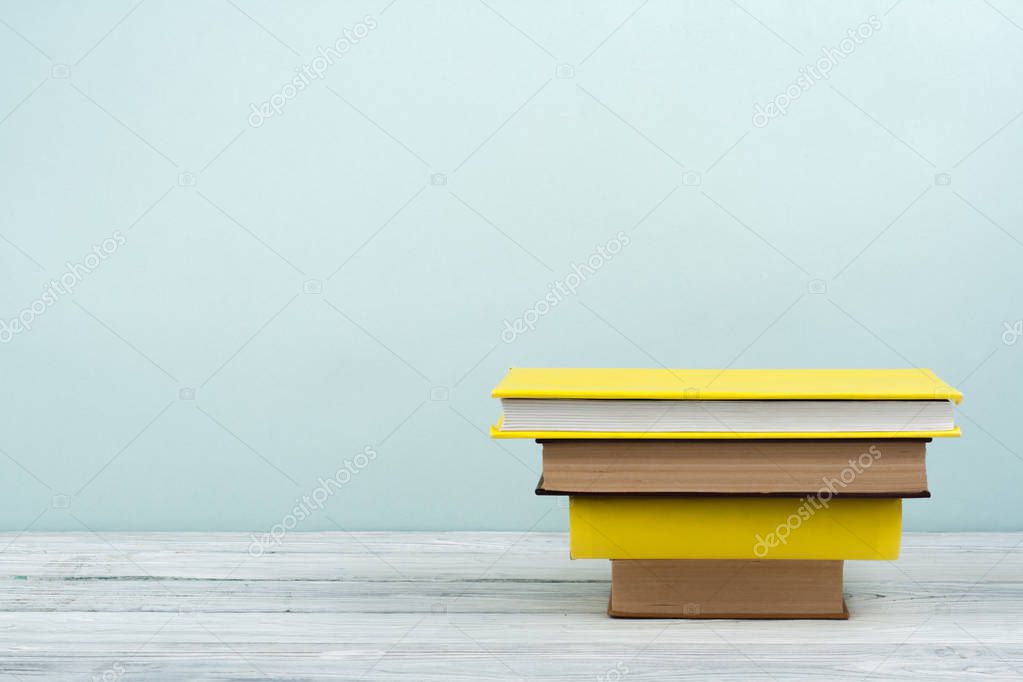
[{"x": 727, "y": 588}]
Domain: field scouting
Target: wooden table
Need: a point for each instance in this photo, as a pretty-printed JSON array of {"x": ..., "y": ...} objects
[{"x": 470, "y": 606}]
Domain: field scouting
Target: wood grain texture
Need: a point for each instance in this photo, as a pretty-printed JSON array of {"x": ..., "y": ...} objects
[{"x": 471, "y": 606}]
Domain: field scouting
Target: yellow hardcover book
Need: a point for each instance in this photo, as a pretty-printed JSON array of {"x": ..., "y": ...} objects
[
  {"x": 727, "y": 384},
  {"x": 622, "y": 384},
  {"x": 734, "y": 528}
]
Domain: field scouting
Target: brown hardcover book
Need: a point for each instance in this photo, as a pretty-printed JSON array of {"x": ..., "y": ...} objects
[
  {"x": 709, "y": 588},
  {"x": 889, "y": 468}
]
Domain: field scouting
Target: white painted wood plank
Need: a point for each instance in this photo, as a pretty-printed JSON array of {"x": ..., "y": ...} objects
[
  {"x": 435, "y": 648},
  {"x": 111, "y": 631},
  {"x": 961, "y": 599},
  {"x": 308, "y": 556},
  {"x": 467, "y": 606},
  {"x": 656, "y": 664}
]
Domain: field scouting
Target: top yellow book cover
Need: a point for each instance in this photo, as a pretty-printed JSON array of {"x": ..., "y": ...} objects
[{"x": 726, "y": 384}]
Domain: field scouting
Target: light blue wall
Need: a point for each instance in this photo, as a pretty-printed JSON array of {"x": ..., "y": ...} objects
[{"x": 321, "y": 293}]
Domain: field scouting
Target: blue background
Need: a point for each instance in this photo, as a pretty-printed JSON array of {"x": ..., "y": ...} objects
[{"x": 339, "y": 277}]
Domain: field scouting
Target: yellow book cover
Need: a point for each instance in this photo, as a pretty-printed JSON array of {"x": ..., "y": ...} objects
[
  {"x": 734, "y": 528},
  {"x": 725, "y": 384}
]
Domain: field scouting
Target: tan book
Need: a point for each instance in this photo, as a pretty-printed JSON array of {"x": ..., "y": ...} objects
[
  {"x": 710, "y": 588},
  {"x": 865, "y": 468}
]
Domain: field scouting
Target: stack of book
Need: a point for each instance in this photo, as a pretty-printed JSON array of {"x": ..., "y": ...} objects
[{"x": 730, "y": 493}]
